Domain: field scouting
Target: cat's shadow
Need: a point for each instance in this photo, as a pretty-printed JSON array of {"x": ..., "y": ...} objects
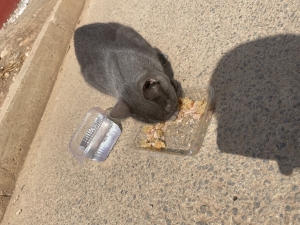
[{"x": 257, "y": 100}]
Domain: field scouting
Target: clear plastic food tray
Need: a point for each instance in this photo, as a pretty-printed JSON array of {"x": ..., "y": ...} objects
[
  {"x": 95, "y": 137},
  {"x": 184, "y": 138}
]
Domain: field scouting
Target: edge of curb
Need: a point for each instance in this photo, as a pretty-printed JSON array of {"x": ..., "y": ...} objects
[{"x": 24, "y": 106}]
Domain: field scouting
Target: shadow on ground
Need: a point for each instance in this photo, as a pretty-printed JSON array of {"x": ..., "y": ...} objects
[{"x": 257, "y": 99}]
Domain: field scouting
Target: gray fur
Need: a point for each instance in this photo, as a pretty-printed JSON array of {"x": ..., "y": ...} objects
[{"x": 117, "y": 61}]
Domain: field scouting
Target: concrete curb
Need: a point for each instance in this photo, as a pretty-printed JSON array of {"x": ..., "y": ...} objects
[{"x": 23, "y": 109}]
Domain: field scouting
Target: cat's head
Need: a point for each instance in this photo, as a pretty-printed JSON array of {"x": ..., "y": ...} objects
[{"x": 153, "y": 99}]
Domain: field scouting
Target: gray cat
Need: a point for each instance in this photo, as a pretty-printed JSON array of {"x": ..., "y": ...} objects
[{"x": 118, "y": 61}]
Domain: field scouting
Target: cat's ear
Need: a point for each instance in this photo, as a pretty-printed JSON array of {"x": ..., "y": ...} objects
[
  {"x": 151, "y": 88},
  {"x": 121, "y": 110}
]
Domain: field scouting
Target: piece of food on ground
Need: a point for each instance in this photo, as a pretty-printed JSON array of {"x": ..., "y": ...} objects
[{"x": 154, "y": 134}]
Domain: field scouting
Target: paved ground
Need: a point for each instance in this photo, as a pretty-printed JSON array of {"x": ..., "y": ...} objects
[
  {"x": 17, "y": 39},
  {"x": 247, "y": 171},
  {"x": 24, "y": 105},
  {"x": 16, "y": 42}
]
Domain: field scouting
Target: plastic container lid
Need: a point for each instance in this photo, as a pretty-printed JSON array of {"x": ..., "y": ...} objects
[{"x": 95, "y": 137}]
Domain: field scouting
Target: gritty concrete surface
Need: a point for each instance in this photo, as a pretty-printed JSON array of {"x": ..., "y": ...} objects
[
  {"x": 247, "y": 171},
  {"x": 24, "y": 106},
  {"x": 17, "y": 39}
]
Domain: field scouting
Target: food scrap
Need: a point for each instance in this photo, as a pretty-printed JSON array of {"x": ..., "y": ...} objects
[
  {"x": 155, "y": 133},
  {"x": 188, "y": 107},
  {"x": 154, "y": 136}
]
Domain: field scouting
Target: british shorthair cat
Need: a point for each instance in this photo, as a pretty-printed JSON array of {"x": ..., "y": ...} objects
[{"x": 118, "y": 61}]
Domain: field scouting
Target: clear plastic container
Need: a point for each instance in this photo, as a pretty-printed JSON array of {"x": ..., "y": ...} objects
[
  {"x": 95, "y": 137},
  {"x": 184, "y": 138}
]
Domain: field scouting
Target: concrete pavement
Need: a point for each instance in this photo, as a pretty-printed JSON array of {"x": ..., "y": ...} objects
[
  {"x": 46, "y": 29},
  {"x": 213, "y": 187}
]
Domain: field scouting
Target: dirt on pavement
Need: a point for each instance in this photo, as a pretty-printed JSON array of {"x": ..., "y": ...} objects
[{"x": 16, "y": 41}]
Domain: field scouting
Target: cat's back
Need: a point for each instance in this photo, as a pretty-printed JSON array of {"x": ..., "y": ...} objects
[
  {"x": 94, "y": 39},
  {"x": 97, "y": 34},
  {"x": 110, "y": 54}
]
